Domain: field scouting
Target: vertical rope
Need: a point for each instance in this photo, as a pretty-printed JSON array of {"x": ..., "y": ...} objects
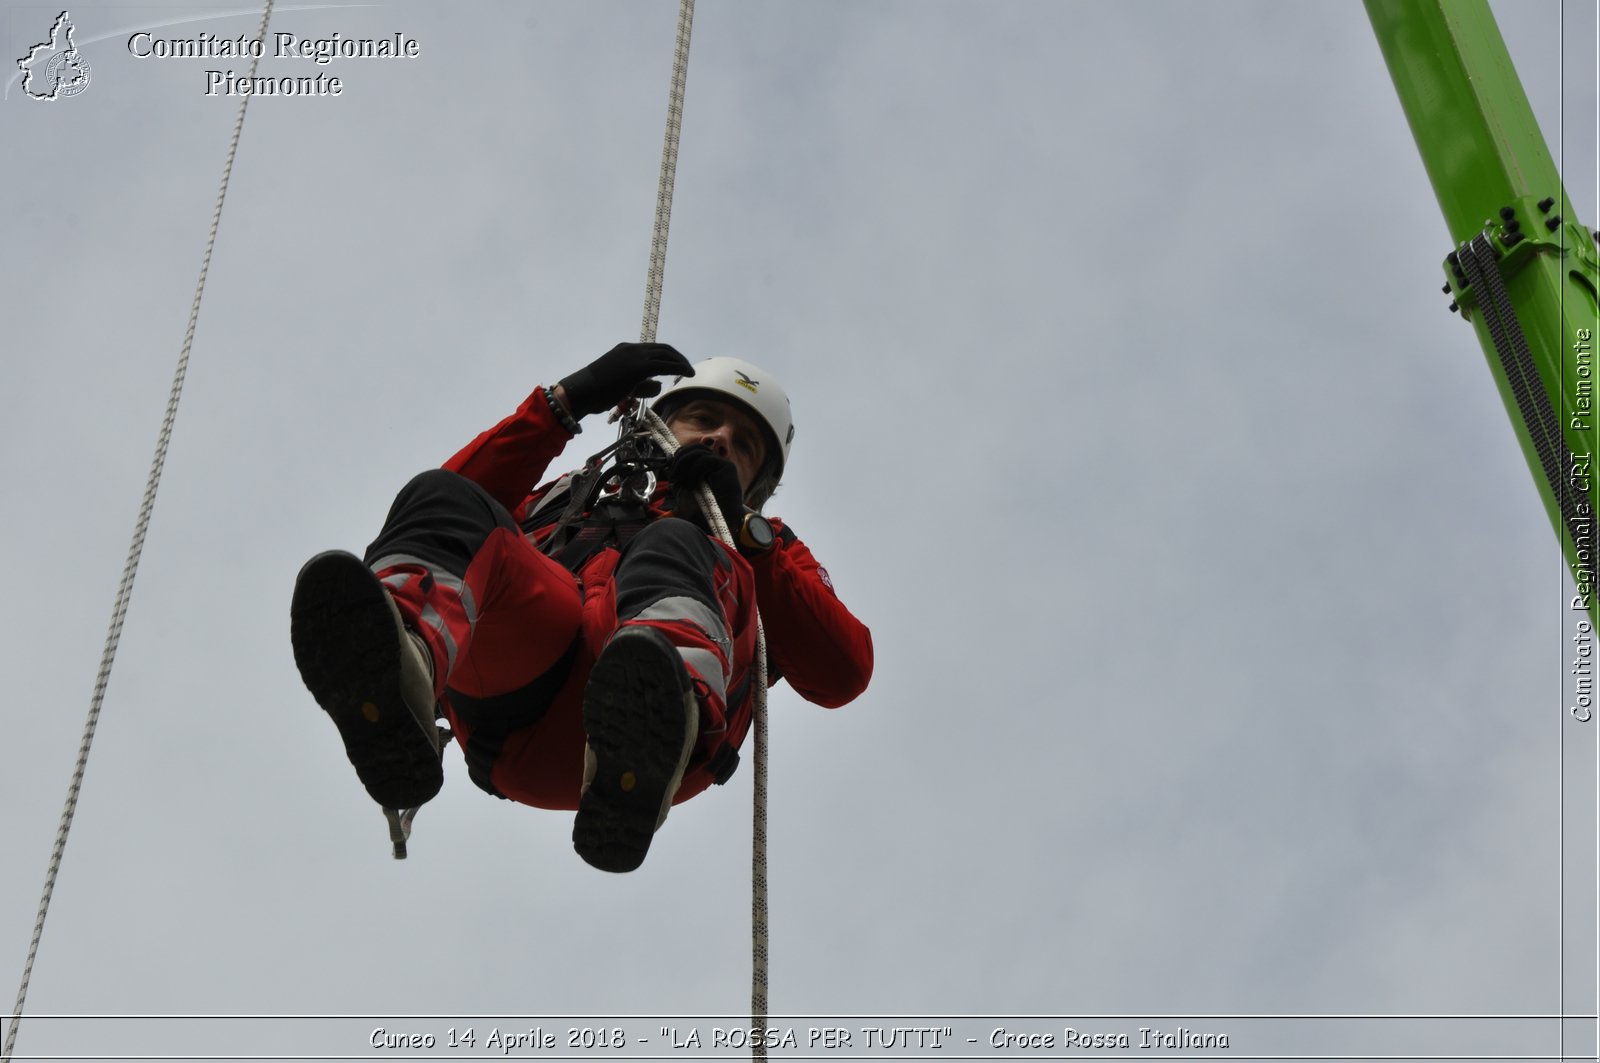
[
  {"x": 647, "y": 334},
  {"x": 758, "y": 856},
  {"x": 758, "y": 841},
  {"x": 119, "y": 610},
  {"x": 669, "y": 169}
]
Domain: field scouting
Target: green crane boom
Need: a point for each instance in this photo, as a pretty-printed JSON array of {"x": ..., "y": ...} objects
[{"x": 1523, "y": 271}]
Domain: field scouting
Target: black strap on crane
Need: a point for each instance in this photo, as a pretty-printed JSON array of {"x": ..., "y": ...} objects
[{"x": 1480, "y": 262}]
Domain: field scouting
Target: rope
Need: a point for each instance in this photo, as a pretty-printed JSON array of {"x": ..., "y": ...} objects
[
  {"x": 125, "y": 591},
  {"x": 708, "y": 505},
  {"x": 758, "y": 841},
  {"x": 669, "y": 169}
]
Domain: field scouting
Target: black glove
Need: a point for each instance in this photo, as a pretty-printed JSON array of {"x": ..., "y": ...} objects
[
  {"x": 620, "y": 373},
  {"x": 698, "y": 464}
]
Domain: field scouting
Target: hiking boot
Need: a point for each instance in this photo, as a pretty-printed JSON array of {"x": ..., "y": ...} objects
[
  {"x": 371, "y": 675},
  {"x": 641, "y": 718}
]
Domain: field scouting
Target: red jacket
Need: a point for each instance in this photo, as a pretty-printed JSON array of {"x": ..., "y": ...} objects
[{"x": 813, "y": 640}]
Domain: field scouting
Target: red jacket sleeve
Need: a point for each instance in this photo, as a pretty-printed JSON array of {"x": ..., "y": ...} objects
[
  {"x": 814, "y": 641},
  {"x": 510, "y": 458}
]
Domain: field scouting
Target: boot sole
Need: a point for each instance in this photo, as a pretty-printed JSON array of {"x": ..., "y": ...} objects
[
  {"x": 637, "y": 716},
  {"x": 348, "y": 653}
]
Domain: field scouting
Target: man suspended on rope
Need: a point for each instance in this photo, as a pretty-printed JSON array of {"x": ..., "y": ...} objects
[{"x": 591, "y": 645}]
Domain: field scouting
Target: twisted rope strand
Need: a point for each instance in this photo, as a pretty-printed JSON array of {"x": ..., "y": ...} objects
[{"x": 656, "y": 275}]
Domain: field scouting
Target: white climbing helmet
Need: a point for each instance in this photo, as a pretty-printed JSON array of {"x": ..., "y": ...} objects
[{"x": 748, "y": 385}]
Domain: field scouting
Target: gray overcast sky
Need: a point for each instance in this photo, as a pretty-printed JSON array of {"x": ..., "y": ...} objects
[{"x": 1220, "y": 633}]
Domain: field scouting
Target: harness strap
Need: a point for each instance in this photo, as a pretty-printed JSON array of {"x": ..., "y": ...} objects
[
  {"x": 611, "y": 524},
  {"x": 724, "y": 760}
]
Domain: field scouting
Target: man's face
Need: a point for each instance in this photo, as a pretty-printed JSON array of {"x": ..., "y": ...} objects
[{"x": 727, "y": 430}]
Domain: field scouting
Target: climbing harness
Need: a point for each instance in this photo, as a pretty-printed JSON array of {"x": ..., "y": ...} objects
[{"x": 119, "y": 610}]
